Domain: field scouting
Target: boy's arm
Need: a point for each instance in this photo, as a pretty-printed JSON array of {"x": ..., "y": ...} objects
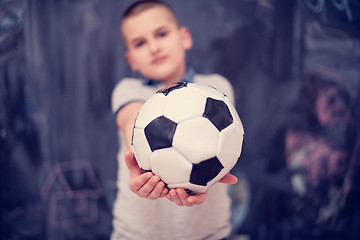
[
  {"x": 125, "y": 120},
  {"x": 144, "y": 184}
]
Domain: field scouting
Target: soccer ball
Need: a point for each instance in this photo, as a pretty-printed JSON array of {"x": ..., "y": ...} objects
[{"x": 189, "y": 135}]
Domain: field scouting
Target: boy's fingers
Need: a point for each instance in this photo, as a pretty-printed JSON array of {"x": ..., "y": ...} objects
[
  {"x": 197, "y": 199},
  {"x": 164, "y": 192},
  {"x": 138, "y": 182},
  {"x": 168, "y": 196},
  {"x": 174, "y": 197},
  {"x": 157, "y": 191},
  {"x": 149, "y": 187},
  {"x": 183, "y": 196},
  {"x": 229, "y": 179}
]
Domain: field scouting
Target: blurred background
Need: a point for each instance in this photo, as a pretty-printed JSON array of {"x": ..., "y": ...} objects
[{"x": 295, "y": 68}]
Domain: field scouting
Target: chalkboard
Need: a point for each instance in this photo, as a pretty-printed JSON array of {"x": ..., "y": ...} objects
[{"x": 295, "y": 69}]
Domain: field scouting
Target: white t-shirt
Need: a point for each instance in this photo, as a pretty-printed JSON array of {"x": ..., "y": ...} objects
[{"x": 137, "y": 218}]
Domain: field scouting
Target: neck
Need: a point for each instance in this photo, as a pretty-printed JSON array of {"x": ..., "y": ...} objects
[{"x": 176, "y": 77}]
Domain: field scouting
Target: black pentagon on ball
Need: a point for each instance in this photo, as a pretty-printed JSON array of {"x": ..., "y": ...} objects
[
  {"x": 172, "y": 87},
  {"x": 218, "y": 113},
  {"x": 160, "y": 133},
  {"x": 205, "y": 171}
]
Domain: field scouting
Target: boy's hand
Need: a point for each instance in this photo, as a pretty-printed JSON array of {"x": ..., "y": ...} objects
[
  {"x": 181, "y": 198},
  {"x": 144, "y": 184}
]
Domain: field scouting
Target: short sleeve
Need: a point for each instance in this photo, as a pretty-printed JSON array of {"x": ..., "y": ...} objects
[
  {"x": 128, "y": 90},
  {"x": 217, "y": 81}
]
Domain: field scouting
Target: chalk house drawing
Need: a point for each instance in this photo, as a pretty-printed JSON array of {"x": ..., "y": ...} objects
[{"x": 73, "y": 191}]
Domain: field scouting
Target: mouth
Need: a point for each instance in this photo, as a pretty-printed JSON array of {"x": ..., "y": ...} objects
[{"x": 159, "y": 60}]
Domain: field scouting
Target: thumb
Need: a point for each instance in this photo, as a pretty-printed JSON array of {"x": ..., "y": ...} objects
[
  {"x": 131, "y": 163},
  {"x": 229, "y": 179}
]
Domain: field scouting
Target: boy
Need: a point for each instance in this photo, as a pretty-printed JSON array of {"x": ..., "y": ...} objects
[{"x": 144, "y": 207}]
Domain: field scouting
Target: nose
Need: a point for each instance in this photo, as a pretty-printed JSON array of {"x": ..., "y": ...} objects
[{"x": 154, "y": 46}]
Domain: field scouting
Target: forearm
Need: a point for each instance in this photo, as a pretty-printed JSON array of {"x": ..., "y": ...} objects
[{"x": 125, "y": 120}]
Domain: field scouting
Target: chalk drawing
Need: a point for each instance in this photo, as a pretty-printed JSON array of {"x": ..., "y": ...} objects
[
  {"x": 72, "y": 190},
  {"x": 319, "y": 6}
]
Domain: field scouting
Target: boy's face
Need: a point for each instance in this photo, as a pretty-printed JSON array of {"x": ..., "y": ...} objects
[{"x": 156, "y": 46}]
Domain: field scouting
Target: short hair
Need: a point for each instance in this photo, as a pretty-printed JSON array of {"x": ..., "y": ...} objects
[{"x": 143, "y": 5}]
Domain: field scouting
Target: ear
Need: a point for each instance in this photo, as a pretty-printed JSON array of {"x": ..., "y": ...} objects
[
  {"x": 133, "y": 66},
  {"x": 186, "y": 38}
]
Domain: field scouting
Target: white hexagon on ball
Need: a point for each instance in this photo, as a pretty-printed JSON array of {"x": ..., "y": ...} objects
[
  {"x": 196, "y": 139},
  {"x": 208, "y": 91},
  {"x": 183, "y": 104},
  {"x": 234, "y": 113},
  {"x": 170, "y": 166},
  {"x": 151, "y": 109},
  {"x": 230, "y": 145},
  {"x": 141, "y": 149}
]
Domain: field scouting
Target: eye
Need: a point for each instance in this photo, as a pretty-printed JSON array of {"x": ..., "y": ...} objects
[
  {"x": 162, "y": 34},
  {"x": 138, "y": 44}
]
